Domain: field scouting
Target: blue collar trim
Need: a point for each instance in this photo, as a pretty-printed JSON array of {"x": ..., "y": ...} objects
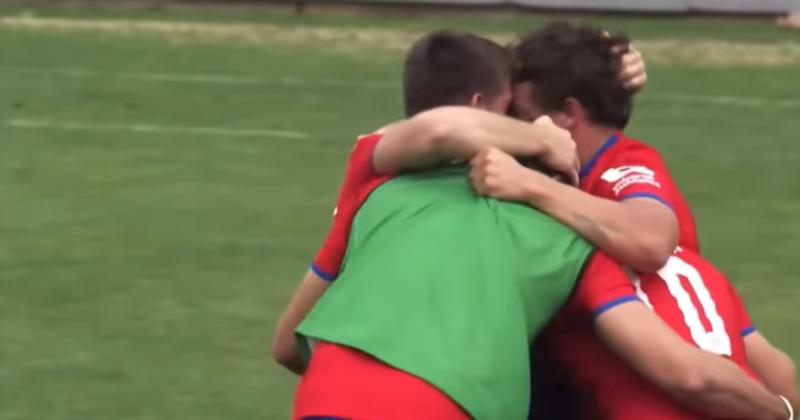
[{"x": 611, "y": 141}]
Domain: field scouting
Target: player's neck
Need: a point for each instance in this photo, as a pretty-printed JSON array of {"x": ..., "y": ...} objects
[{"x": 590, "y": 139}]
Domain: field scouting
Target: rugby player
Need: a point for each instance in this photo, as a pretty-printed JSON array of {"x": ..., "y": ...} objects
[
  {"x": 330, "y": 356},
  {"x": 444, "y": 68},
  {"x": 701, "y": 305}
]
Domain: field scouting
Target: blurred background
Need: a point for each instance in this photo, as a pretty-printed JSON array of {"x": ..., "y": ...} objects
[{"x": 168, "y": 170}]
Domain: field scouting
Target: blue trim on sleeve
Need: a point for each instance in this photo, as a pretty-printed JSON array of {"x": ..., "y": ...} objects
[
  {"x": 616, "y": 302},
  {"x": 322, "y": 274},
  {"x": 587, "y": 168},
  {"x": 747, "y": 331},
  {"x": 647, "y": 195}
]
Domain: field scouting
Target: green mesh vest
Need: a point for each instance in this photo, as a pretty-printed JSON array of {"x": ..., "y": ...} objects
[{"x": 451, "y": 288}]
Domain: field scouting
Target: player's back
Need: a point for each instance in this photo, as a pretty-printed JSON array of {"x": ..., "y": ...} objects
[
  {"x": 699, "y": 303},
  {"x": 450, "y": 287},
  {"x": 694, "y": 299}
]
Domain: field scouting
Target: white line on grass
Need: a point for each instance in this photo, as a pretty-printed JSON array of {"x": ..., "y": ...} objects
[
  {"x": 743, "y": 101},
  {"x": 151, "y": 128},
  {"x": 230, "y": 79},
  {"x": 220, "y": 79}
]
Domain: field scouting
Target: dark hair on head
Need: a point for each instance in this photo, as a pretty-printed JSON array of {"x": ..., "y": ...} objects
[
  {"x": 568, "y": 61},
  {"x": 448, "y": 67}
]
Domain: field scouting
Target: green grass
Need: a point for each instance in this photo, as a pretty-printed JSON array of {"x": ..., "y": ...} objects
[
  {"x": 676, "y": 27},
  {"x": 142, "y": 272}
]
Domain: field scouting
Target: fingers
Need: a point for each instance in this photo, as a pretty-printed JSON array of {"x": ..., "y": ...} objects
[
  {"x": 575, "y": 175},
  {"x": 620, "y": 49},
  {"x": 632, "y": 63},
  {"x": 477, "y": 173},
  {"x": 633, "y": 72},
  {"x": 544, "y": 119},
  {"x": 476, "y": 180},
  {"x": 637, "y": 83},
  {"x": 574, "y": 179},
  {"x": 485, "y": 168}
]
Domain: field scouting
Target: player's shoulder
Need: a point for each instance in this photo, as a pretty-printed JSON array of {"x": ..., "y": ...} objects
[
  {"x": 631, "y": 148},
  {"x": 373, "y": 136},
  {"x": 363, "y": 147},
  {"x": 633, "y": 157}
]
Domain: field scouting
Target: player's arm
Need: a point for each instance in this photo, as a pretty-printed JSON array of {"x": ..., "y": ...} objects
[
  {"x": 327, "y": 263},
  {"x": 775, "y": 369},
  {"x": 451, "y": 133},
  {"x": 284, "y": 341},
  {"x": 638, "y": 232},
  {"x": 773, "y": 366},
  {"x": 709, "y": 383}
]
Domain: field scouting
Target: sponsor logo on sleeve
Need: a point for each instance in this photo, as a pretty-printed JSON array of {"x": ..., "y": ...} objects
[{"x": 625, "y": 176}]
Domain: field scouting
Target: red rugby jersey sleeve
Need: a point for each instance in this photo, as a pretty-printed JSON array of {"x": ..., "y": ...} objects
[
  {"x": 359, "y": 180},
  {"x": 603, "y": 286},
  {"x": 637, "y": 173}
]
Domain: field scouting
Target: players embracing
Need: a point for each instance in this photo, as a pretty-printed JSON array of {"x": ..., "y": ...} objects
[{"x": 627, "y": 206}]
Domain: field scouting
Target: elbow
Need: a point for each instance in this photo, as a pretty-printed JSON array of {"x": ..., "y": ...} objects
[
  {"x": 653, "y": 259},
  {"x": 693, "y": 383},
  {"x": 282, "y": 351},
  {"x": 690, "y": 384},
  {"x": 653, "y": 254},
  {"x": 646, "y": 258}
]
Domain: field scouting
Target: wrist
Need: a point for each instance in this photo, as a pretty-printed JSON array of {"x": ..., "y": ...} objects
[
  {"x": 538, "y": 187},
  {"x": 540, "y": 142},
  {"x": 787, "y": 408}
]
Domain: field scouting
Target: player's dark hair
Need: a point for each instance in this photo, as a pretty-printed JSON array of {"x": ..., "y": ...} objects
[
  {"x": 568, "y": 61},
  {"x": 448, "y": 67}
]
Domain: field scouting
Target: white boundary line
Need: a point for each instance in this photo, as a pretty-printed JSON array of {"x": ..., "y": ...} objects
[
  {"x": 220, "y": 79},
  {"x": 743, "y": 101},
  {"x": 230, "y": 79},
  {"x": 152, "y": 129}
]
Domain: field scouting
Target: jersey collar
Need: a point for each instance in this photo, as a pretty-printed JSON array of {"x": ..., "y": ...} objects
[{"x": 611, "y": 141}]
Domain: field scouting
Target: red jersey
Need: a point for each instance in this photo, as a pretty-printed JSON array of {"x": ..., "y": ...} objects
[
  {"x": 360, "y": 180},
  {"x": 691, "y": 296},
  {"x": 624, "y": 168}
]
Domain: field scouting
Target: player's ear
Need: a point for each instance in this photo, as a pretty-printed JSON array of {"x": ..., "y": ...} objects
[
  {"x": 477, "y": 101},
  {"x": 570, "y": 114}
]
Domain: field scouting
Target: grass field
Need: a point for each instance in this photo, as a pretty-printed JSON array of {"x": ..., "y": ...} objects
[{"x": 167, "y": 177}]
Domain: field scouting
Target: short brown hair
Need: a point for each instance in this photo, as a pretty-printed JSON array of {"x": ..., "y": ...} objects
[
  {"x": 447, "y": 67},
  {"x": 565, "y": 60}
]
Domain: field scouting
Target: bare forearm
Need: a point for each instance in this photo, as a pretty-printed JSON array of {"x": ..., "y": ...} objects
[
  {"x": 471, "y": 130},
  {"x": 729, "y": 393},
  {"x": 709, "y": 383},
  {"x": 284, "y": 342},
  {"x": 774, "y": 367},
  {"x": 454, "y": 133},
  {"x": 780, "y": 379},
  {"x": 626, "y": 231}
]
